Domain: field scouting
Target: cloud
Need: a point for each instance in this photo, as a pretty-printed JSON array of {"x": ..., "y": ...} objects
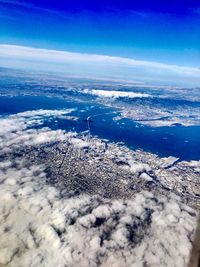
[
  {"x": 43, "y": 113},
  {"x": 114, "y": 94},
  {"x": 55, "y": 55},
  {"x": 14, "y": 2},
  {"x": 17, "y": 129},
  {"x": 31, "y": 6},
  {"x": 41, "y": 227},
  {"x": 93, "y": 64}
]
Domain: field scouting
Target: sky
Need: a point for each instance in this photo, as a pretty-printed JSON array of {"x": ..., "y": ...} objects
[{"x": 160, "y": 31}]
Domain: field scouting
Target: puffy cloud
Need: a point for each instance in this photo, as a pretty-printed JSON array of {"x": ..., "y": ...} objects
[
  {"x": 17, "y": 129},
  {"x": 23, "y": 120},
  {"x": 41, "y": 227},
  {"x": 114, "y": 94},
  {"x": 77, "y": 142}
]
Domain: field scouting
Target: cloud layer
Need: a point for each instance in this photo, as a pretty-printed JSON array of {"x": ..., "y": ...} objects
[
  {"x": 99, "y": 65},
  {"x": 41, "y": 227}
]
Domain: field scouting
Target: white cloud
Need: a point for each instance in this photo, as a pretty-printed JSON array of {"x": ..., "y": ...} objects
[
  {"x": 39, "y": 227},
  {"x": 43, "y": 113},
  {"x": 78, "y": 143},
  {"x": 26, "y": 119},
  {"x": 119, "y": 67},
  {"x": 55, "y": 55},
  {"x": 16, "y": 129},
  {"x": 114, "y": 94}
]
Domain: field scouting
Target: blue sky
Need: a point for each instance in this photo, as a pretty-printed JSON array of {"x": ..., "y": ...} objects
[
  {"x": 161, "y": 31},
  {"x": 166, "y": 31}
]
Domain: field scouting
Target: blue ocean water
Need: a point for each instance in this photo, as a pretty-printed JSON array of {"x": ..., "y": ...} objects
[{"x": 178, "y": 141}]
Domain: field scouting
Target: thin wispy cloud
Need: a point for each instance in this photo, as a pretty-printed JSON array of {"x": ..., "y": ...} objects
[
  {"x": 19, "y": 3},
  {"x": 33, "y": 7}
]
